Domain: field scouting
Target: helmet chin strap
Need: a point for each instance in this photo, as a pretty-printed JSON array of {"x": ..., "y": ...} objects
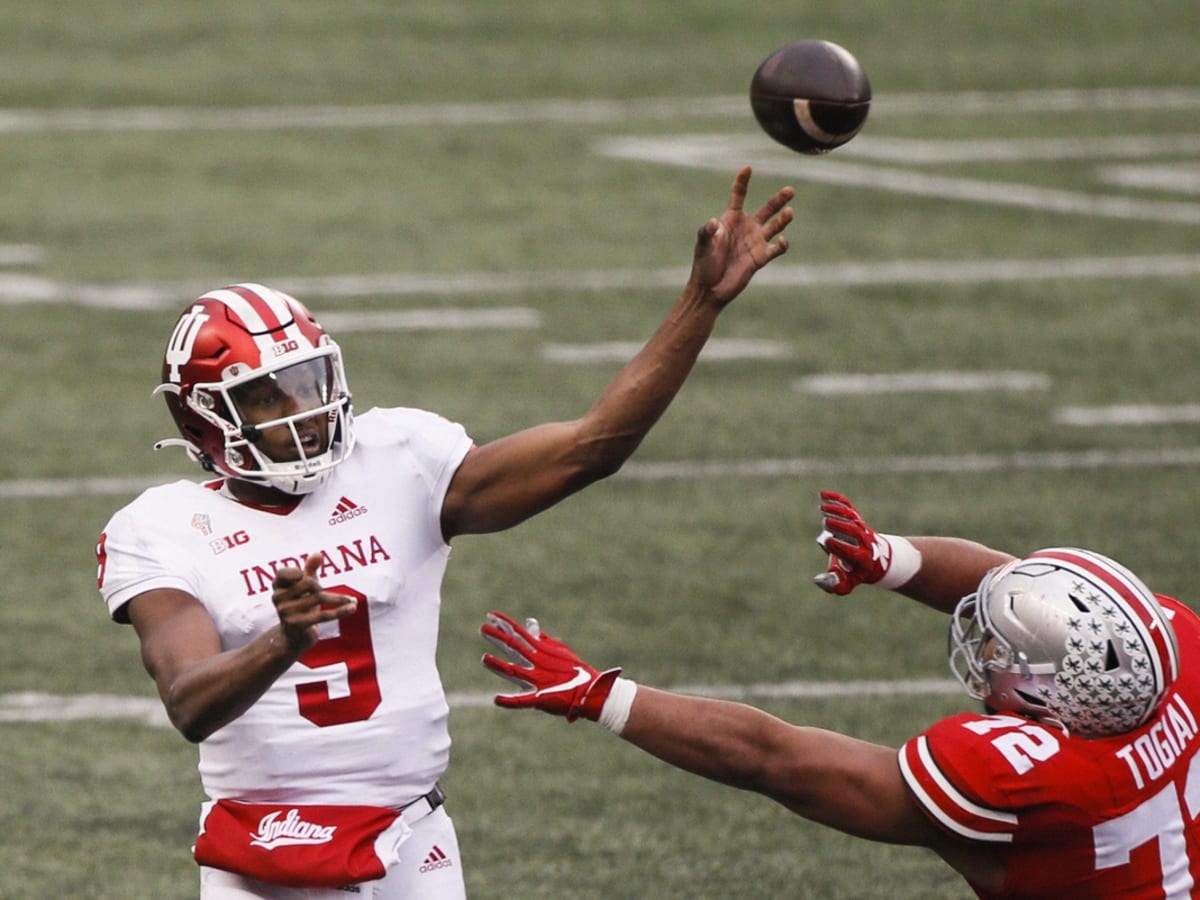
[
  {"x": 194, "y": 453},
  {"x": 292, "y": 485}
]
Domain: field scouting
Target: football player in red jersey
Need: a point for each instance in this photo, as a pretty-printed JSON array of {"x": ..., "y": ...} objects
[
  {"x": 1079, "y": 779},
  {"x": 288, "y": 609}
]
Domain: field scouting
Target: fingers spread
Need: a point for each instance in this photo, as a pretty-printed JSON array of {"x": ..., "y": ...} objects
[
  {"x": 503, "y": 643},
  {"x": 504, "y": 632},
  {"x": 507, "y": 670}
]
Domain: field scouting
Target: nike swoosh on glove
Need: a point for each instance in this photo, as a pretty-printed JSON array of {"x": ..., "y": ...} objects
[{"x": 550, "y": 674}]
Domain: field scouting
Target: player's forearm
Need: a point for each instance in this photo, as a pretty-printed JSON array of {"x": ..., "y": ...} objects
[
  {"x": 218, "y": 689},
  {"x": 728, "y": 742},
  {"x": 641, "y": 392},
  {"x": 950, "y": 569},
  {"x": 843, "y": 782}
]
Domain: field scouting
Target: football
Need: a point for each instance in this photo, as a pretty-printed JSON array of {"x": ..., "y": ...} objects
[{"x": 810, "y": 96}]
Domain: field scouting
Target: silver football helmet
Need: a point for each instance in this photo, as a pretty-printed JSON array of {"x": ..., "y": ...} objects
[{"x": 1067, "y": 637}]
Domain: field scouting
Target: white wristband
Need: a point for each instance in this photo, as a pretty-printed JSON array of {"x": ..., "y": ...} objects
[
  {"x": 615, "y": 712},
  {"x": 904, "y": 564}
]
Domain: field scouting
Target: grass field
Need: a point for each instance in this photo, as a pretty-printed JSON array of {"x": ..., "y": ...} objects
[{"x": 1024, "y": 199}]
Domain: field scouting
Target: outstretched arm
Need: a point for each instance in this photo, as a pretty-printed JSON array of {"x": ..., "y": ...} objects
[
  {"x": 505, "y": 481},
  {"x": 852, "y": 785},
  {"x": 936, "y": 571}
]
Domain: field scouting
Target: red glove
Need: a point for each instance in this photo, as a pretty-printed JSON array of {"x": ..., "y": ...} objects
[
  {"x": 552, "y": 677},
  {"x": 857, "y": 553}
]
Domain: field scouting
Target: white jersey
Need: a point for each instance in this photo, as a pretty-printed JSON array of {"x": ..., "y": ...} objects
[{"x": 361, "y": 717}]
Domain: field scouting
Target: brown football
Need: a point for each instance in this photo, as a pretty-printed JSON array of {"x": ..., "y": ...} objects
[{"x": 810, "y": 96}]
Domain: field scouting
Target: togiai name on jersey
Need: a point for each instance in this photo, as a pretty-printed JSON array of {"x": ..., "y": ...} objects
[
  {"x": 357, "y": 554},
  {"x": 1152, "y": 753}
]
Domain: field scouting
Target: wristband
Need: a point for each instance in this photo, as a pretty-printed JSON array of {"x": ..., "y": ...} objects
[
  {"x": 904, "y": 564},
  {"x": 615, "y": 712}
]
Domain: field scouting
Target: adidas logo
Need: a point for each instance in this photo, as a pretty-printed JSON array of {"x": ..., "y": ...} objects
[
  {"x": 346, "y": 510},
  {"x": 436, "y": 859}
]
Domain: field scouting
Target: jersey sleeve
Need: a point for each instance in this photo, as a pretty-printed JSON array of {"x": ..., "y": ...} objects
[
  {"x": 132, "y": 558},
  {"x": 436, "y": 446},
  {"x": 953, "y": 785}
]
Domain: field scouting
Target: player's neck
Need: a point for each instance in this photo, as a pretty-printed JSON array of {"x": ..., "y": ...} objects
[{"x": 262, "y": 495}]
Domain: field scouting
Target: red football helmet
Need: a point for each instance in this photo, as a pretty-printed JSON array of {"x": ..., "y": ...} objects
[{"x": 244, "y": 359}]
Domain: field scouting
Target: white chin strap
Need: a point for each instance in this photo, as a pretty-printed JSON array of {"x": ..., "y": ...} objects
[{"x": 297, "y": 485}]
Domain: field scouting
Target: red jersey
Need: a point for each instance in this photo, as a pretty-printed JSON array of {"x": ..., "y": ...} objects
[{"x": 1070, "y": 816}]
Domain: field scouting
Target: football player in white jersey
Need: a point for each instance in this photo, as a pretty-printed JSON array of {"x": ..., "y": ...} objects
[{"x": 288, "y": 609}]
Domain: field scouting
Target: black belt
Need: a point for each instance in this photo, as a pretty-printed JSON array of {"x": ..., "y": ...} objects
[{"x": 423, "y": 805}]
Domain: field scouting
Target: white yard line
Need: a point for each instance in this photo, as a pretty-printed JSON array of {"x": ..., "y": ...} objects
[
  {"x": 1128, "y": 414},
  {"x": 1178, "y": 177},
  {"x": 899, "y": 465},
  {"x": 21, "y": 254},
  {"x": 716, "y": 350},
  {"x": 922, "y": 382},
  {"x": 25, "y": 289},
  {"x": 570, "y": 111},
  {"x": 41, "y": 707},
  {"x": 721, "y": 152},
  {"x": 1081, "y": 460},
  {"x": 460, "y": 319},
  {"x": 974, "y": 150}
]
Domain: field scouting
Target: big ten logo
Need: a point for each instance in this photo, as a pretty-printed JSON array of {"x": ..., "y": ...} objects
[
  {"x": 229, "y": 542},
  {"x": 286, "y": 347}
]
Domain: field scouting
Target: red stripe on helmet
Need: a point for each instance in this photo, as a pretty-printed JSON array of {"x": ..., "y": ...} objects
[{"x": 1137, "y": 597}]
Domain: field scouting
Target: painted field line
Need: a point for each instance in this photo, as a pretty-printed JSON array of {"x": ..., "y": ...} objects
[
  {"x": 24, "y": 289},
  {"x": 1081, "y": 460},
  {"x": 903, "y": 465},
  {"x": 571, "y": 111},
  {"x": 21, "y": 254},
  {"x": 978, "y": 271},
  {"x": 1178, "y": 178},
  {"x": 716, "y": 350},
  {"x": 922, "y": 382},
  {"x": 41, "y": 707},
  {"x": 50, "y": 488},
  {"x": 1129, "y": 414},
  {"x": 430, "y": 319},
  {"x": 721, "y": 152},
  {"x": 931, "y": 152}
]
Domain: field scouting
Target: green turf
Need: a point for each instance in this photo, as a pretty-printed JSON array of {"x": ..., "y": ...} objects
[{"x": 688, "y": 582}]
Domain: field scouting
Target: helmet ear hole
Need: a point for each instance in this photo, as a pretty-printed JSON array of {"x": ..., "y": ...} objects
[
  {"x": 1111, "y": 660},
  {"x": 1030, "y": 699}
]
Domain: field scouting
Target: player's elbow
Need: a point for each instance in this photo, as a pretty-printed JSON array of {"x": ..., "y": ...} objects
[
  {"x": 600, "y": 456},
  {"x": 187, "y": 719},
  {"x": 192, "y": 729}
]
